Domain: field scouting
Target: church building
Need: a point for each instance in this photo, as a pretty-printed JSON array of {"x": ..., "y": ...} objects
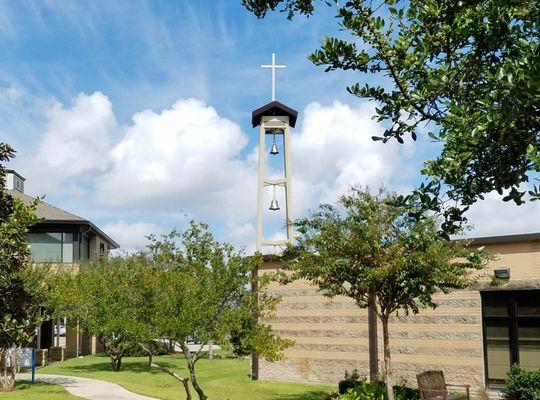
[
  {"x": 473, "y": 336},
  {"x": 64, "y": 240}
]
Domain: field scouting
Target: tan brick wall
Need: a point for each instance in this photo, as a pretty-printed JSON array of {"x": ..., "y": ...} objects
[
  {"x": 331, "y": 335},
  {"x": 57, "y": 354}
]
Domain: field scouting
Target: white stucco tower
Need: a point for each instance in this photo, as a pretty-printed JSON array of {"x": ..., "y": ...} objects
[{"x": 274, "y": 120}]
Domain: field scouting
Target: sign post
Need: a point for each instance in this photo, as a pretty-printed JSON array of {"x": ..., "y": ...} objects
[
  {"x": 24, "y": 357},
  {"x": 33, "y": 365}
]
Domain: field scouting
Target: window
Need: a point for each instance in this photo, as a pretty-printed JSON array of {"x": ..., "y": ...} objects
[
  {"x": 511, "y": 323},
  {"x": 51, "y": 247}
]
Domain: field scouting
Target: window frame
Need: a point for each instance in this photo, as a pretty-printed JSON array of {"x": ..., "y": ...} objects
[
  {"x": 513, "y": 319},
  {"x": 63, "y": 233}
]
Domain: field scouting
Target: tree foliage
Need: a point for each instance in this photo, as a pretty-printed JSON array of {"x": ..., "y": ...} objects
[
  {"x": 111, "y": 299},
  {"x": 466, "y": 72},
  {"x": 22, "y": 286},
  {"x": 185, "y": 287},
  {"x": 372, "y": 251},
  {"x": 205, "y": 296}
]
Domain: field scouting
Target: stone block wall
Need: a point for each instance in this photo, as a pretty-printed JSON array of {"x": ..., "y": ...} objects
[
  {"x": 56, "y": 354},
  {"x": 331, "y": 335}
]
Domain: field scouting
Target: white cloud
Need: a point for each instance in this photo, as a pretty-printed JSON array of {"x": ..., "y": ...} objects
[
  {"x": 10, "y": 94},
  {"x": 241, "y": 235},
  {"x": 75, "y": 142},
  {"x": 334, "y": 150},
  {"x": 492, "y": 217},
  {"x": 131, "y": 236},
  {"x": 184, "y": 158},
  {"x": 189, "y": 159}
]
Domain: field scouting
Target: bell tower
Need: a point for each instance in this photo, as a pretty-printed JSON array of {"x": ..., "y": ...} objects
[{"x": 274, "y": 120}]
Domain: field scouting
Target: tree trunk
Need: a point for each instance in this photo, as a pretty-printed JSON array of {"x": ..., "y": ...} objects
[
  {"x": 373, "y": 340},
  {"x": 191, "y": 367},
  {"x": 192, "y": 376},
  {"x": 210, "y": 350},
  {"x": 146, "y": 349},
  {"x": 387, "y": 359},
  {"x": 116, "y": 362},
  {"x": 185, "y": 381},
  {"x": 7, "y": 380}
]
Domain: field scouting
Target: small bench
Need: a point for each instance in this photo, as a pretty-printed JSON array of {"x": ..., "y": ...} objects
[{"x": 432, "y": 386}]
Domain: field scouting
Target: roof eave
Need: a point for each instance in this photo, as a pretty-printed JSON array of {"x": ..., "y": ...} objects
[
  {"x": 269, "y": 110},
  {"x": 520, "y": 237},
  {"x": 90, "y": 224}
]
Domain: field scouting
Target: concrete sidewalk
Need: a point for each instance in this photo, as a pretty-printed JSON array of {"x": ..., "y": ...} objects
[{"x": 87, "y": 388}]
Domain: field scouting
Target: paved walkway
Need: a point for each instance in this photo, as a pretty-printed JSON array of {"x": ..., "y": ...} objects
[{"x": 87, "y": 388}]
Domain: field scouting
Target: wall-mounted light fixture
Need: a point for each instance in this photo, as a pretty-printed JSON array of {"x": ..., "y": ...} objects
[{"x": 502, "y": 273}]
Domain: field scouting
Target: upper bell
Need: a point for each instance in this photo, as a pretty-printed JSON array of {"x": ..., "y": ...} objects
[
  {"x": 274, "y": 206},
  {"x": 274, "y": 150}
]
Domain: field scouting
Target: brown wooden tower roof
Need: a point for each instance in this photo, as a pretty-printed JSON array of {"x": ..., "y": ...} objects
[{"x": 274, "y": 108}]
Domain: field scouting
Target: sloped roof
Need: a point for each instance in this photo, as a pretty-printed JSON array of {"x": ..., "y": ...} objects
[
  {"x": 55, "y": 215},
  {"x": 47, "y": 211},
  {"x": 274, "y": 108}
]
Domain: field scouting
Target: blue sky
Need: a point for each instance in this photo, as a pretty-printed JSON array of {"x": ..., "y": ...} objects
[{"x": 135, "y": 114}]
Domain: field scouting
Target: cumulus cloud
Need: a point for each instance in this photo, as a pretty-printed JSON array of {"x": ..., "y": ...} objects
[
  {"x": 75, "y": 142},
  {"x": 492, "y": 217},
  {"x": 10, "y": 94},
  {"x": 131, "y": 236},
  {"x": 189, "y": 159},
  {"x": 183, "y": 158},
  {"x": 241, "y": 235},
  {"x": 334, "y": 150}
]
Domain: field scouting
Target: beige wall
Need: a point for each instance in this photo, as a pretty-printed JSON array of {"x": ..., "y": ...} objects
[{"x": 331, "y": 335}]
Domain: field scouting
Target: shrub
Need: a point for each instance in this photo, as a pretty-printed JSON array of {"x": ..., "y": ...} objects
[
  {"x": 156, "y": 347},
  {"x": 366, "y": 391},
  {"x": 406, "y": 393},
  {"x": 351, "y": 381},
  {"x": 377, "y": 391},
  {"x": 522, "y": 385}
]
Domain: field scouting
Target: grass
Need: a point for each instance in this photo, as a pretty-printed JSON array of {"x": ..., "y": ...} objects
[
  {"x": 220, "y": 378},
  {"x": 37, "y": 391}
]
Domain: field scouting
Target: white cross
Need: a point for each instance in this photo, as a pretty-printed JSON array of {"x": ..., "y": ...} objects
[{"x": 273, "y": 67}]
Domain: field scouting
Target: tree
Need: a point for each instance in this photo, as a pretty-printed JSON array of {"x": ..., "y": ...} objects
[
  {"x": 22, "y": 288},
  {"x": 372, "y": 251},
  {"x": 467, "y": 72},
  {"x": 111, "y": 298},
  {"x": 203, "y": 295}
]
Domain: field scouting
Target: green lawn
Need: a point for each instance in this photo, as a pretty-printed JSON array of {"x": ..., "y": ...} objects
[
  {"x": 221, "y": 378},
  {"x": 37, "y": 391}
]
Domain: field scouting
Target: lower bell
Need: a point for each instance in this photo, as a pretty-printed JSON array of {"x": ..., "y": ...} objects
[
  {"x": 274, "y": 150},
  {"x": 274, "y": 206}
]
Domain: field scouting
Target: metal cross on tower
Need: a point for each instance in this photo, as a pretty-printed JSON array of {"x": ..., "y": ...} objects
[
  {"x": 273, "y": 67},
  {"x": 274, "y": 119}
]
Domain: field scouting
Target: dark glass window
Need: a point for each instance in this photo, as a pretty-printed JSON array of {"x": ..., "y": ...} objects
[
  {"x": 511, "y": 323},
  {"x": 53, "y": 247}
]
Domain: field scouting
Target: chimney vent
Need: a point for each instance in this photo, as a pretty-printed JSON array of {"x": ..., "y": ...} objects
[{"x": 14, "y": 181}]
